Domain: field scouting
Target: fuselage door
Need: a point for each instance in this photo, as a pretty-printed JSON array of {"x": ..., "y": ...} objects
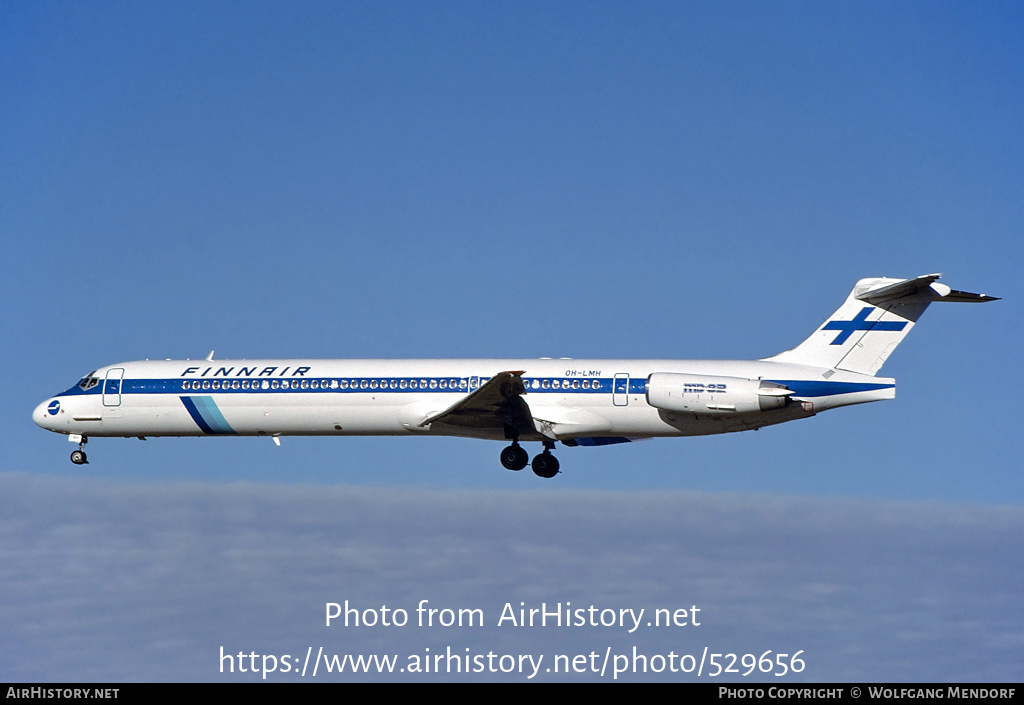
[
  {"x": 620, "y": 389},
  {"x": 112, "y": 387}
]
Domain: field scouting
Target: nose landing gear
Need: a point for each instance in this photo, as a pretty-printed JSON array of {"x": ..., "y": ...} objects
[{"x": 78, "y": 457}]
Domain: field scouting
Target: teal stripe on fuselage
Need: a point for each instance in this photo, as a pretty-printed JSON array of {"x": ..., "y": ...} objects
[{"x": 211, "y": 415}]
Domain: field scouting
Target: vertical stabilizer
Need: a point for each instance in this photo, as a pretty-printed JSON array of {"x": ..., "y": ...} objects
[{"x": 873, "y": 320}]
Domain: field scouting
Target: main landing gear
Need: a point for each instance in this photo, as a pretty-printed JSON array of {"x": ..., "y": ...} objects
[
  {"x": 544, "y": 465},
  {"x": 514, "y": 457}
]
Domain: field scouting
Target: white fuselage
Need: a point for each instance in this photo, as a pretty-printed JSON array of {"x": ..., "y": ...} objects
[{"x": 567, "y": 399}]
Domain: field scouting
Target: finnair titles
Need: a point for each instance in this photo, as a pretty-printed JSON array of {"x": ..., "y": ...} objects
[{"x": 575, "y": 402}]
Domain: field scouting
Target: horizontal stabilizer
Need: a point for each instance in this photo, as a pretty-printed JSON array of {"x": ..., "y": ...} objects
[
  {"x": 965, "y": 297},
  {"x": 925, "y": 287}
]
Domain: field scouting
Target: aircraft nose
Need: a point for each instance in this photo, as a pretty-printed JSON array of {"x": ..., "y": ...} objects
[{"x": 44, "y": 413}]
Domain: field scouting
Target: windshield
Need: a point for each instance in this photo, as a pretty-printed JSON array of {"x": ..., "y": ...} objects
[{"x": 89, "y": 381}]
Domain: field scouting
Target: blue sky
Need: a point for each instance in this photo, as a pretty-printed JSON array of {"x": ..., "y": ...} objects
[{"x": 599, "y": 180}]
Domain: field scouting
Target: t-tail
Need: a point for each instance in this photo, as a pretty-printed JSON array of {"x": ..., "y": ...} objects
[{"x": 875, "y": 318}]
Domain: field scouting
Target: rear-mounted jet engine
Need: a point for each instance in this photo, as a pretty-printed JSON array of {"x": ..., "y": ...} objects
[{"x": 712, "y": 394}]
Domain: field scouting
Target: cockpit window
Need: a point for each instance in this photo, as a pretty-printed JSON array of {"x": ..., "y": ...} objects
[{"x": 89, "y": 381}]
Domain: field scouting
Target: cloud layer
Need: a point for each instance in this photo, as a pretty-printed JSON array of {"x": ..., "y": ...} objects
[{"x": 111, "y": 581}]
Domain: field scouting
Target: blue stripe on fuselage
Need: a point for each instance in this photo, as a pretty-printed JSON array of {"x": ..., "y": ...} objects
[
  {"x": 818, "y": 388},
  {"x": 206, "y": 415},
  {"x": 381, "y": 385}
]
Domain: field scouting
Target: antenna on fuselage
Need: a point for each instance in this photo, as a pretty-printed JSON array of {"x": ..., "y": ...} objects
[{"x": 210, "y": 356}]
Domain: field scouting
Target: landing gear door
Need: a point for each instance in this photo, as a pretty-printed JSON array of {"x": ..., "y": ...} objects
[
  {"x": 112, "y": 387},
  {"x": 620, "y": 389}
]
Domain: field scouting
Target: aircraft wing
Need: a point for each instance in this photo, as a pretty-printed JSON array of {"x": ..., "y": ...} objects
[{"x": 496, "y": 399}]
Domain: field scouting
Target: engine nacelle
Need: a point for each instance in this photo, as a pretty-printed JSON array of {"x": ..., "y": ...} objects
[{"x": 714, "y": 394}]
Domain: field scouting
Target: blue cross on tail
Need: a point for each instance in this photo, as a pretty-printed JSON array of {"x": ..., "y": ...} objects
[{"x": 860, "y": 322}]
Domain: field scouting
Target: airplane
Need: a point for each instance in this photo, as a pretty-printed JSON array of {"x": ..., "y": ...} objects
[{"x": 575, "y": 402}]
